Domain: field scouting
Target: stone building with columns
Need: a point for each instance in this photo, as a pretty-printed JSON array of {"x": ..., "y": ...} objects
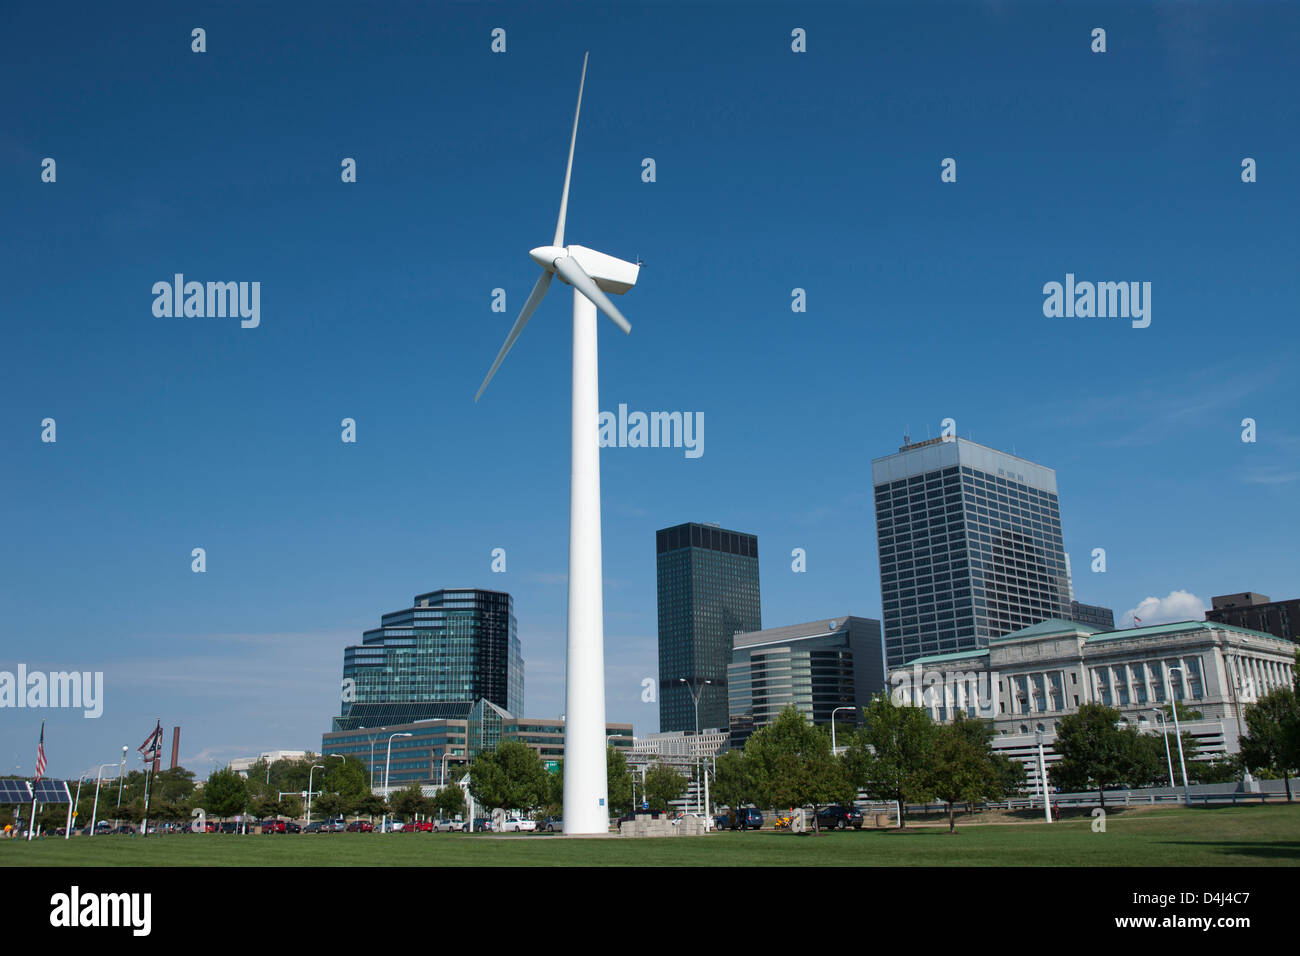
[{"x": 1026, "y": 681}]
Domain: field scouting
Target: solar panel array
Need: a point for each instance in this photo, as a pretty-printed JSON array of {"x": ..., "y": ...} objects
[
  {"x": 15, "y": 791},
  {"x": 48, "y": 790}
]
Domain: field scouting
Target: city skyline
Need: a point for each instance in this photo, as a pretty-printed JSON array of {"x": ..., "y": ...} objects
[{"x": 775, "y": 171}]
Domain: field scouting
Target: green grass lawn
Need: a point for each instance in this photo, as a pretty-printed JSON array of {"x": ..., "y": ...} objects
[{"x": 1226, "y": 836}]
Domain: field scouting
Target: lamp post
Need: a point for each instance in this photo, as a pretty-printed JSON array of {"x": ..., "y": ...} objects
[
  {"x": 121, "y": 775},
  {"x": 833, "y": 713},
  {"x": 310, "y": 774},
  {"x": 383, "y": 827},
  {"x": 95, "y": 811},
  {"x": 1042, "y": 773},
  {"x": 1173, "y": 705},
  {"x": 76, "y": 801},
  {"x": 1164, "y": 732},
  {"x": 695, "y": 696},
  {"x": 372, "y": 760}
]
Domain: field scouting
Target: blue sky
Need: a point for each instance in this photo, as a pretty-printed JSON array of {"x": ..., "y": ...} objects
[{"x": 775, "y": 170}]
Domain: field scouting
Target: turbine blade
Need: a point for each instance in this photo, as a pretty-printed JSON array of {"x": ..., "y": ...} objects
[
  {"x": 577, "y": 277},
  {"x": 534, "y": 299},
  {"x": 568, "y": 170}
]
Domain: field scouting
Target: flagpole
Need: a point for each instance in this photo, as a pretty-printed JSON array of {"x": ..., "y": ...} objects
[
  {"x": 40, "y": 771},
  {"x": 67, "y": 830}
]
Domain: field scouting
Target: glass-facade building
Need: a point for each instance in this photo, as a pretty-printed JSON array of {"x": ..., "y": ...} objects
[
  {"x": 433, "y": 660},
  {"x": 707, "y": 593},
  {"x": 970, "y": 547},
  {"x": 818, "y": 667},
  {"x": 450, "y": 744}
]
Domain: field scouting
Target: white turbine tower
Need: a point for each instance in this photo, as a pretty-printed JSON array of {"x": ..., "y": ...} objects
[{"x": 592, "y": 274}]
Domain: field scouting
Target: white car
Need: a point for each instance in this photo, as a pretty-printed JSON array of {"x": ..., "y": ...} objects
[
  {"x": 517, "y": 825},
  {"x": 449, "y": 826}
]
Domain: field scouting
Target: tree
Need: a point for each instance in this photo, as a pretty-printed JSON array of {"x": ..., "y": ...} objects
[
  {"x": 733, "y": 781},
  {"x": 171, "y": 786},
  {"x": 1273, "y": 740},
  {"x": 1097, "y": 752},
  {"x": 891, "y": 755},
  {"x": 225, "y": 793},
  {"x": 793, "y": 766},
  {"x": 329, "y": 805},
  {"x": 511, "y": 777},
  {"x": 449, "y": 802},
  {"x": 965, "y": 768},
  {"x": 410, "y": 801},
  {"x": 367, "y": 805},
  {"x": 345, "y": 777},
  {"x": 618, "y": 782},
  {"x": 663, "y": 785}
]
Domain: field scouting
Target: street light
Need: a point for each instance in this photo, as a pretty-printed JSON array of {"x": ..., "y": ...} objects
[
  {"x": 314, "y": 768},
  {"x": 1164, "y": 732},
  {"x": 695, "y": 696},
  {"x": 383, "y": 827},
  {"x": 95, "y": 811},
  {"x": 1042, "y": 772},
  {"x": 1173, "y": 705},
  {"x": 833, "y": 713},
  {"x": 121, "y": 775}
]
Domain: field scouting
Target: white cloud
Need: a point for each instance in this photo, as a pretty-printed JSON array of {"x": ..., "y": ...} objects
[{"x": 1177, "y": 606}]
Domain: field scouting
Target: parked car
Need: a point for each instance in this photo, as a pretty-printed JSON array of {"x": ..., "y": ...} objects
[
  {"x": 334, "y": 826},
  {"x": 746, "y": 818},
  {"x": 317, "y": 827},
  {"x": 450, "y": 826},
  {"x": 553, "y": 825},
  {"x": 836, "y": 817},
  {"x": 360, "y": 826},
  {"x": 481, "y": 825},
  {"x": 518, "y": 825},
  {"x": 418, "y": 826},
  {"x": 125, "y": 830}
]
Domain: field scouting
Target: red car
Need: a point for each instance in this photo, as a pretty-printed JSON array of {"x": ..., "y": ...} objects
[
  {"x": 360, "y": 826},
  {"x": 421, "y": 826},
  {"x": 273, "y": 826}
]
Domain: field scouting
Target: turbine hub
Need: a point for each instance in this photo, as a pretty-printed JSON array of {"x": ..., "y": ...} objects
[{"x": 545, "y": 256}]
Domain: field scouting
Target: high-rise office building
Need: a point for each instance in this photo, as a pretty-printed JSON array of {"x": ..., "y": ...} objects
[
  {"x": 970, "y": 547},
  {"x": 708, "y": 592},
  {"x": 1254, "y": 610},
  {"x": 819, "y": 667},
  {"x": 1102, "y": 618},
  {"x": 430, "y": 661}
]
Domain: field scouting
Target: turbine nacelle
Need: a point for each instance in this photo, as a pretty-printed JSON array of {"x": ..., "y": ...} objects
[
  {"x": 592, "y": 274},
  {"x": 611, "y": 274}
]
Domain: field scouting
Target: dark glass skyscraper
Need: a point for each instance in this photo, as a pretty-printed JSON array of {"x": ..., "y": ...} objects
[
  {"x": 970, "y": 547},
  {"x": 434, "y": 660},
  {"x": 708, "y": 592}
]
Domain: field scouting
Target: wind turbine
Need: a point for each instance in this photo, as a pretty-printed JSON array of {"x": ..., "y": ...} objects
[{"x": 592, "y": 274}]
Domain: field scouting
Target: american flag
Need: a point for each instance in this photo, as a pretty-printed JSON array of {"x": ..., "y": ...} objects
[
  {"x": 151, "y": 749},
  {"x": 40, "y": 755}
]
